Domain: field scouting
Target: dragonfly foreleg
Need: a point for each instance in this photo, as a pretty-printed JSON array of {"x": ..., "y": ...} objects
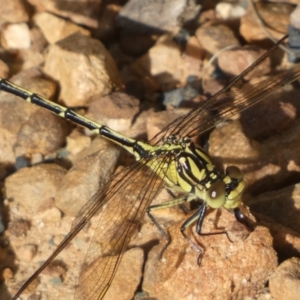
[{"x": 198, "y": 215}]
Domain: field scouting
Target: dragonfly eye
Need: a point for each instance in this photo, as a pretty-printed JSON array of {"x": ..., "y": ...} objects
[
  {"x": 234, "y": 172},
  {"x": 216, "y": 194}
]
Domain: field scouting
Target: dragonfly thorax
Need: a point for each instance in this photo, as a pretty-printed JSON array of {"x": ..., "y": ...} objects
[
  {"x": 196, "y": 174},
  {"x": 175, "y": 140}
]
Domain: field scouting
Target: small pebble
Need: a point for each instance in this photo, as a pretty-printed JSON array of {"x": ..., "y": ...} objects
[
  {"x": 176, "y": 97},
  {"x": 152, "y": 16},
  {"x": 229, "y": 11},
  {"x": 14, "y": 11},
  {"x": 36, "y": 158},
  {"x": 16, "y": 36},
  {"x": 295, "y": 17},
  {"x": 18, "y": 227},
  {"x": 214, "y": 37},
  {"x": 52, "y": 214},
  {"x": 7, "y": 274},
  {"x": 55, "y": 270},
  {"x": 285, "y": 281},
  {"x": 79, "y": 242},
  {"x": 27, "y": 252},
  {"x": 243, "y": 58},
  {"x": 97, "y": 74},
  {"x": 21, "y": 162},
  {"x": 63, "y": 28},
  {"x": 56, "y": 281}
]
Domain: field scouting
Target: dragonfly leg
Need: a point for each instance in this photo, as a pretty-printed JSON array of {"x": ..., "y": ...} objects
[
  {"x": 181, "y": 206},
  {"x": 198, "y": 215},
  {"x": 171, "y": 203}
]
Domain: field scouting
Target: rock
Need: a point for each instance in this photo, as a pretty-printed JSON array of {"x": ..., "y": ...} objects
[
  {"x": 18, "y": 227},
  {"x": 136, "y": 44},
  {"x": 214, "y": 37},
  {"x": 264, "y": 144},
  {"x": 295, "y": 17},
  {"x": 106, "y": 29},
  {"x": 180, "y": 97},
  {"x": 281, "y": 109},
  {"x": 254, "y": 156},
  {"x": 31, "y": 288},
  {"x": 32, "y": 128},
  {"x": 26, "y": 252},
  {"x": 168, "y": 66},
  {"x": 116, "y": 110},
  {"x": 93, "y": 168},
  {"x": 13, "y": 11},
  {"x": 229, "y": 11},
  {"x": 76, "y": 142},
  {"x": 127, "y": 278},
  {"x": 154, "y": 16},
  {"x": 48, "y": 211},
  {"x": 32, "y": 59},
  {"x": 83, "y": 12},
  {"x": 44, "y": 132},
  {"x": 286, "y": 241},
  {"x": 212, "y": 86},
  {"x": 282, "y": 205},
  {"x": 16, "y": 36},
  {"x": 243, "y": 58},
  {"x": 31, "y": 186},
  {"x": 39, "y": 42},
  {"x": 83, "y": 67},
  {"x": 55, "y": 270},
  {"x": 285, "y": 281},
  {"x": 157, "y": 121},
  {"x": 193, "y": 58},
  {"x": 273, "y": 15},
  {"x": 8, "y": 274},
  {"x": 232, "y": 143},
  {"x": 36, "y": 158},
  {"x": 55, "y": 28},
  {"x": 244, "y": 264}
]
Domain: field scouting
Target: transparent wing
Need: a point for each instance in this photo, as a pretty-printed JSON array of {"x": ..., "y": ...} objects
[
  {"x": 122, "y": 205},
  {"x": 227, "y": 103}
]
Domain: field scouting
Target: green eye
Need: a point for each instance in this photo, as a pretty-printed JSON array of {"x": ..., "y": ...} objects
[
  {"x": 234, "y": 172},
  {"x": 216, "y": 194}
]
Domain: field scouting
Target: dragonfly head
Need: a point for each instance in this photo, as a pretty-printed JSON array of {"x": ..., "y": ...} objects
[{"x": 227, "y": 192}]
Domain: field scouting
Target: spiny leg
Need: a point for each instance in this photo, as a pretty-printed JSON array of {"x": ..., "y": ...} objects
[
  {"x": 198, "y": 215},
  {"x": 177, "y": 201},
  {"x": 181, "y": 206}
]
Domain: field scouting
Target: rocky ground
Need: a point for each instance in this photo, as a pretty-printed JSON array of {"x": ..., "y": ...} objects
[{"x": 136, "y": 66}]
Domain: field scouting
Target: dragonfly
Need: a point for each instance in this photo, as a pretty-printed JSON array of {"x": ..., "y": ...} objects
[{"x": 170, "y": 160}]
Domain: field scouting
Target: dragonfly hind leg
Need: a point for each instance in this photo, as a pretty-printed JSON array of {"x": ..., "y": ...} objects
[{"x": 178, "y": 201}]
